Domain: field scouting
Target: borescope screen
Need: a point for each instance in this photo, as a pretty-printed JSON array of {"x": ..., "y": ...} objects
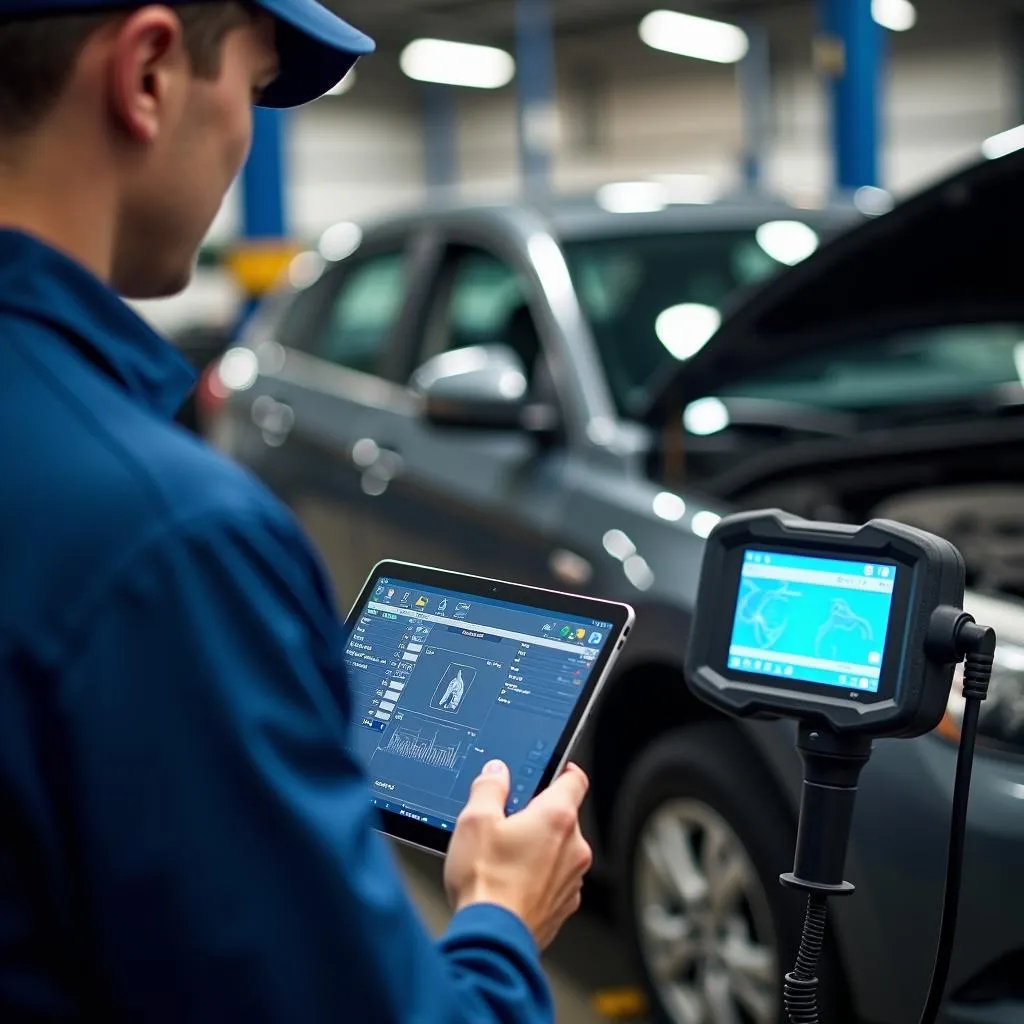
[{"x": 812, "y": 620}]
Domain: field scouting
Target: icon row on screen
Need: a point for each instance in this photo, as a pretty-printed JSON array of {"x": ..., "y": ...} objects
[
  {"x": 855, "y": 682},
  {"x": 878, "y": 570},
  {"x": 756, "y": 665}
]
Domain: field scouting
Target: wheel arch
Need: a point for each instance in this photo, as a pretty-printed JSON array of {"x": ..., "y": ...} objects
[{"x": 644, "y": 702}]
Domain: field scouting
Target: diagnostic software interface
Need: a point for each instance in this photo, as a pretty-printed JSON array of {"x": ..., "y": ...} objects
[
  {"x": 445, "y": 681},
  {"x": 814, "y": 620}
]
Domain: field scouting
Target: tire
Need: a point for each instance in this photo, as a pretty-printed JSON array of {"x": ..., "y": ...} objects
[{"x": 718, "y": 953}]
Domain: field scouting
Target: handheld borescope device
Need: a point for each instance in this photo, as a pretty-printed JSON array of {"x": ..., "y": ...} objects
[{"x": 853, "y": 632}]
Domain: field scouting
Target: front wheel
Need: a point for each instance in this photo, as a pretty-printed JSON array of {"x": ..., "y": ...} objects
[{"x": 700, "y": 840}]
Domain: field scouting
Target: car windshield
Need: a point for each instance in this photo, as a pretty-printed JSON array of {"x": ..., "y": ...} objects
[
  {"x": 905, "y": 369},
  {"x": 655, "y": 299}
]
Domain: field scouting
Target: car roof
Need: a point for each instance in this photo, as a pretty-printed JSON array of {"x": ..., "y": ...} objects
[{"x": 580, "y": 217}]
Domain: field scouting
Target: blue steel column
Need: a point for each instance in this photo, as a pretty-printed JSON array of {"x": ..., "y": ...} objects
[
  {"x": 264, "y": 239},
  {"x": 754, "y": 78},
  {"x": 535, "y": 86},
  {"x": 263, "y": 178},
  {"x": 440, "y": 135},
  {"x": 856, "y": 42}
]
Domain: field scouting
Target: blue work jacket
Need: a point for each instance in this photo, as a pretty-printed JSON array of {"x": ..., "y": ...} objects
[{"x": 183, "y": 835}]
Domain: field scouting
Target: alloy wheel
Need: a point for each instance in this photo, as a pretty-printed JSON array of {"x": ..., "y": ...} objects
[{"x": 704, "y": 920}]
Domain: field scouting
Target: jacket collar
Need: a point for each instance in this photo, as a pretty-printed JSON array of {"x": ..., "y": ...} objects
[{"x": 41, "y": 284}]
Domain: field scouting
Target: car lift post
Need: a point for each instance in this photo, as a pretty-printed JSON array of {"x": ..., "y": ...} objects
[
  {"x": 754, "y": 80},
  {"x": 849, "y": 54},
  {"x": 535, "y": 91},
  {"x": 440, "y": 136},
  {"x": 264, "y": 249}
]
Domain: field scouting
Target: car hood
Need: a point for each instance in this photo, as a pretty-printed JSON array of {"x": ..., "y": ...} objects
[{"x": 948, "y": 255}]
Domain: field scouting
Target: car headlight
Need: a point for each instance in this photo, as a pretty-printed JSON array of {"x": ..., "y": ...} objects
[{"x": 1001, "y": 718}]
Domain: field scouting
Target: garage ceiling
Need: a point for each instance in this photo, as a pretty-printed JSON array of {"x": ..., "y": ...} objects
[{"x": 394, "y": 22}]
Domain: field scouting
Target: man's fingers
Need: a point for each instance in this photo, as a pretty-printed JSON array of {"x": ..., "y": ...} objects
[
  {"x": 489, "y": 792},
  {"x": 571, "y": 785}
]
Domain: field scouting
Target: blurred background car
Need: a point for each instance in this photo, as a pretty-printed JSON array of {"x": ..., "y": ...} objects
[{"x": 551, "y": 394}]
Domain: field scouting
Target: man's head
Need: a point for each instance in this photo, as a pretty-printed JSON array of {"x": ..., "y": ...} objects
[{"x": 148, "y": 109}]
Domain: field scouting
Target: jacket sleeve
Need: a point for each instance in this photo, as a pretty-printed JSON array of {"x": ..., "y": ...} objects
[{"x": 223, "y": 836}]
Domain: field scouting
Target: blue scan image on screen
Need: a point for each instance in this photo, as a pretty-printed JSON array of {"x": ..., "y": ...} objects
[{"x": 815, "y": 620}]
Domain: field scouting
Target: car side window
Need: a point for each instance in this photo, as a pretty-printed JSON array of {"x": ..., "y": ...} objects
[
  {"x": 363, "y": 313},
  {"x": 484, "y": 303}
]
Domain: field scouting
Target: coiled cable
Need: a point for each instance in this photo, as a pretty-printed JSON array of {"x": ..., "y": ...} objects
[{"x": 800, "y": 989}]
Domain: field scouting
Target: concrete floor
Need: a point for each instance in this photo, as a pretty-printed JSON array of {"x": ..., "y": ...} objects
[{"x": 586, "y": 965}]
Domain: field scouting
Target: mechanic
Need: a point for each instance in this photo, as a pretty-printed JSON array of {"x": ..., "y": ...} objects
[{"x": 184, "y": 836}]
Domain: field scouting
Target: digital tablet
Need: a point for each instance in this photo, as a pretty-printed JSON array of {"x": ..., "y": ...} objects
[{"x": 449, "y": 671}]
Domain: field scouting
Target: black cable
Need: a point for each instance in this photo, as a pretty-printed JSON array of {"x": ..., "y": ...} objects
[
  {"x": 977, "y": 672},
  {"x": 800, "y": 989}
]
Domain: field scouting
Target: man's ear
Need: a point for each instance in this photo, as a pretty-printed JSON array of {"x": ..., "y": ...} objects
[{"x": 148, "y": 67}]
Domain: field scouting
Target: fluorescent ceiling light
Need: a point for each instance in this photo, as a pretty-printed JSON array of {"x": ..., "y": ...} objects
[
  {"x": 706, "y": 416},
  {"x": 633, "y": 197},
  {"x": 685, "y": 329},
  {"x": 239, "y": 369},
  {"x": 638, "y": 572},
  {"x": 1004, "y": 143},
  {"x": 697, "y": 189},
  {"x": 690, "y": 36},
  {"x": 344, "y": 85},
  {"x": 618, "y": 545},
  {"x": 787, "y": 241},
  {"x": 872, "y": 201},
  {"x": 339, "y": 241},
  {"x": 464, "y": 64},
  {"x": 669, "y": 506},
  {"x": 895, "y": 15},
  {"x": 704, "y": 522},
  {"x": 306, "y": 269}
]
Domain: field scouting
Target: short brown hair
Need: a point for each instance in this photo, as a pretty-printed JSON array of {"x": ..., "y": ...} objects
[{"x": 37, "y": 55}]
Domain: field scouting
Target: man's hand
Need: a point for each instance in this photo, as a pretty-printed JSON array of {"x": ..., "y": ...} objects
[{"x": 532, "y": 863}]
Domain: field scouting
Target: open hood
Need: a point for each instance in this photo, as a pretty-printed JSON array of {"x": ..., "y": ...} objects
[{"x": 951, "y": 255}]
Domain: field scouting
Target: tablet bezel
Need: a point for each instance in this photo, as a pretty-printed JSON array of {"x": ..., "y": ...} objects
[{"x": 622, "y": 616}]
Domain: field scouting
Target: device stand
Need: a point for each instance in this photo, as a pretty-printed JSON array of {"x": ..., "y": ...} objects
[{"x": 832, "y": 767}]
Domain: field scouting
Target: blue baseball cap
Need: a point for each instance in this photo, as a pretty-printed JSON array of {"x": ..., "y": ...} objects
[{"x": 317, "y": 49}]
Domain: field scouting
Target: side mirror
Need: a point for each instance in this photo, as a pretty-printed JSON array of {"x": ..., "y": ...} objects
[{"x": 483, "y": 387}]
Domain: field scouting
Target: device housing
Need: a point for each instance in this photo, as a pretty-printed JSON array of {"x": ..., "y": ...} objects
[{"x": 913, "y": 688}]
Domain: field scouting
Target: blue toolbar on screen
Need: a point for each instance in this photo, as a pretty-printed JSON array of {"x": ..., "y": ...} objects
[{"x": 815, "y": 620}]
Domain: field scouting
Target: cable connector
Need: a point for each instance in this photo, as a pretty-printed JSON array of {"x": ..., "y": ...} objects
[{"x": 978, "y": 643}]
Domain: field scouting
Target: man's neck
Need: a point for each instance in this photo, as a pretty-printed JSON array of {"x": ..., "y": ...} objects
[{"x": 61, "y": 201}]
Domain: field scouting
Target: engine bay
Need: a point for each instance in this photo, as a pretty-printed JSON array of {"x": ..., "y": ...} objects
[{"x": 961, "y": 484}]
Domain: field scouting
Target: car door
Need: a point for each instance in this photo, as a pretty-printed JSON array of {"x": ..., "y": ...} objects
[
  {"x": 339, "y": 340},
  {"x": 475, "y": 500}
]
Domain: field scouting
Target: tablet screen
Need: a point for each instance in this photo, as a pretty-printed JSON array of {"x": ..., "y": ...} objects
[{"x": 445, "y": 680}]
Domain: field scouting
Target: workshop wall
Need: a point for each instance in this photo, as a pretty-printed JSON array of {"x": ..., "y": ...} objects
[{"x": 949, "y": 85}]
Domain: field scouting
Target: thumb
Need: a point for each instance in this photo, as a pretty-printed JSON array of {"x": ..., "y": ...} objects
[{"x": 490, "y": 787}]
